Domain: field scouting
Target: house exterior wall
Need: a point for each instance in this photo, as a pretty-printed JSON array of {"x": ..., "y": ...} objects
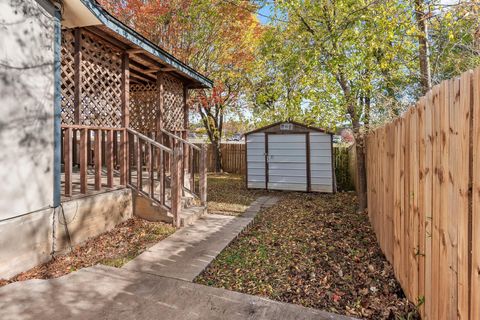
[
  {"x": 27, "y": 241},
  {"x": 27, "y": 106}
]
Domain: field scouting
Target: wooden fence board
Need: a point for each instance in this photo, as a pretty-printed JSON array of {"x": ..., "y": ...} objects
[
  {"x": 460, "y": 123},
  {"x": 421, "y": 201},
  {"x": 428, "y": 174},
  {"x": 435, "y": 202},
  {"x": 443, "y": 180},
  {"x": 475, "y": 179},
  {"x": 413, "y": 210}
]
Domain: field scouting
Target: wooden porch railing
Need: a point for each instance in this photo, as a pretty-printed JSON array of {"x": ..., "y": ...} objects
[
  {"x": 148, "y": 174},
  {"x": 194, "y": 177},
  {"x": 124, "y": 157},
  {"x": 93, "y": 148}
]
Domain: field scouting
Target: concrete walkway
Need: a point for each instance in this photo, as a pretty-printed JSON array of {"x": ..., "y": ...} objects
[
  {"x": 102, "y": 292},
  {"x": 186, "y": 253},
  {"x": 155, "y": 285}
]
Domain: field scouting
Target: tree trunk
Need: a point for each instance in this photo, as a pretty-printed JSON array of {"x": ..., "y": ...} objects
[
  {"x": 361, "y": 171},
  {"x": 359, "y": 142},
  {"x": 217, "y": 149},
  {"x": 423, "y": 54}
]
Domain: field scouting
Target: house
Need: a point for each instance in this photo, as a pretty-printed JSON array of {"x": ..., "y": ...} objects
[
  {"x": 290, "y": 156},
  {"x": 93, "y": 129}
]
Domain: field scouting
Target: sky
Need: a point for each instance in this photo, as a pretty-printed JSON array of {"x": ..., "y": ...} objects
[{"x": 265, "y": 11}]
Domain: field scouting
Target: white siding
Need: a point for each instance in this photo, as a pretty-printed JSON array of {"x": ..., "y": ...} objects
[
  {"x": 256, "y": 160},
  {"x": 26, "y": 100},
  {"x": 321, "y": 162},
  {"x": 287, "y": 162}
]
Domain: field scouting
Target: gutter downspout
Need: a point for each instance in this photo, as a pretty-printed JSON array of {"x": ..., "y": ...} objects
[{"x": 57, "y": 133}]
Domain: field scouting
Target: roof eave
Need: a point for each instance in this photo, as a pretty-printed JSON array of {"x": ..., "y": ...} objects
[{"x": 292, "y": 122}]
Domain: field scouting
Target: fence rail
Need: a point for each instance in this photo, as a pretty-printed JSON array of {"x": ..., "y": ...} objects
[{"x": 423, "y": 176}]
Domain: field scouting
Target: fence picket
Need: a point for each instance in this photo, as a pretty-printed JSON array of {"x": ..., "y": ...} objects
[{"x": 475, "y": 179}]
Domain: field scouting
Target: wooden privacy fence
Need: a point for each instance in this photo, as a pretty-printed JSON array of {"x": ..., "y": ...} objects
[
  {"x": 345, "y": 168},
  {"x": 423, "y": 175},
  {"x": 233, "y": 158}
]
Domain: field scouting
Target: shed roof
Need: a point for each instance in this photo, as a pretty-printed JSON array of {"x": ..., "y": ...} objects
[
  {"x": 292, "y": 122},
  {"x": 146, "y": 57}
]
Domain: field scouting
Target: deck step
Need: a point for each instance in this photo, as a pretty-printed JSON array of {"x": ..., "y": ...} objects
[{"x": 188, "y": 216}]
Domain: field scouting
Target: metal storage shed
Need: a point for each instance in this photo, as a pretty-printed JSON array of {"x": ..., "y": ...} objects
[{"x": 290, "y": 156}]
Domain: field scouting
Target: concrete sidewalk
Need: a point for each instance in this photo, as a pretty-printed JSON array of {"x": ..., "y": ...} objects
[
  {"x": 186, "y": 253},
  {"x": 102, "y": 292}
]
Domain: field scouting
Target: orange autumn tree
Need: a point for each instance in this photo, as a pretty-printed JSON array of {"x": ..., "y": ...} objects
[{"x": 216, "y": 37}]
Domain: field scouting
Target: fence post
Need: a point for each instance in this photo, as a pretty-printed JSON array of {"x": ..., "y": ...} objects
[
  {"x": 203, "y": 175},
  {"x": 176, "y": 173}
]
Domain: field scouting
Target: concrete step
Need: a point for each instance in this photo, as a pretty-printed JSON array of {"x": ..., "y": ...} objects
[{"x": 188, "y": 216}]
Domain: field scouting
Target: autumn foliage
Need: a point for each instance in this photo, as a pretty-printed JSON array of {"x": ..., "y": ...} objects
[{"x": 216, "y": 37}]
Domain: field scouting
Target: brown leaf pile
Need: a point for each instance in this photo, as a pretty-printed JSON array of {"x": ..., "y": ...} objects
[
  {"x": 316, "y": 251},
  {"x": 113, "y": 248}
]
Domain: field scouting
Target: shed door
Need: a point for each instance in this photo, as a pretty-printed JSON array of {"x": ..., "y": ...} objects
[{"x": 287, "y": 162}]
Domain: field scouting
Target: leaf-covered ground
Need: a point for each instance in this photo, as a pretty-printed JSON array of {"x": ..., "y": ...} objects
[
  {"x": 317, "y": 251},
  {"x": 228, "y": 195},
  {"x": 113, "y": 248}
]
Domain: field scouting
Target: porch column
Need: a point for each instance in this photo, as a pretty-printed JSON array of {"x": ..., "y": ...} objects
[
  {"x": 161, "y": 107},
  {"x": 186, "y": 113},
  {"x": 124, "y": 165},
  {"x": 77, "y": 79},
  {"x": 125, "y": 90},
  {"x": 161, "y": 160}
]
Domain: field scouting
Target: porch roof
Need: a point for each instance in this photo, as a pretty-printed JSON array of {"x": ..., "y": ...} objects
[{"x": 146, "y": 58}]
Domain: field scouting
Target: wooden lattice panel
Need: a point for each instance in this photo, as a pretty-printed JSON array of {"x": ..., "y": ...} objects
[
  {"x": 101, "y": 102},
  {"x": 143, "y": 107},
  {"x": 67, "y": 73},
  {"x": 173, "y": 103}
]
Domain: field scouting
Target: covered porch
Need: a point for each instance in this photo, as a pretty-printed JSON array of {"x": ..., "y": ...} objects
[{"x": 124, "y": 113}]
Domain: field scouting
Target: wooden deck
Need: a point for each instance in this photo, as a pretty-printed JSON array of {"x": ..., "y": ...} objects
[{"x": 76, "y": 192}]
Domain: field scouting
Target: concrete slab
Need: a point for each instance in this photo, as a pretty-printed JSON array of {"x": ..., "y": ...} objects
[
  {"x": 186, "y": 253},
  {"x": 102, "y": 292}
]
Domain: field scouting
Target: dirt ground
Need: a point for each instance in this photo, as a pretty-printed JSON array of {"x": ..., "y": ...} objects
[
  {"x": 113, "y": 248},
  {"x": 316, "y": 251}
]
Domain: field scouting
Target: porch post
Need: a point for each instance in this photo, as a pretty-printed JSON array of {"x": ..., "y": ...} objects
[
  {"x": 124, "y": 165},
  {"x": 161, "y": 107},
  {"x": 77, "y": 79},
  {"x": 203, "y": 175},
  {"x": 161, "y": 161},
  {"x": 176, "y": 191},
  {"x": 186, "y": 152}
]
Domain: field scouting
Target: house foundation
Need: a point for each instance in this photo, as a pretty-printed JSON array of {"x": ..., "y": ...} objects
[{"x": 27, "y": 241}]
